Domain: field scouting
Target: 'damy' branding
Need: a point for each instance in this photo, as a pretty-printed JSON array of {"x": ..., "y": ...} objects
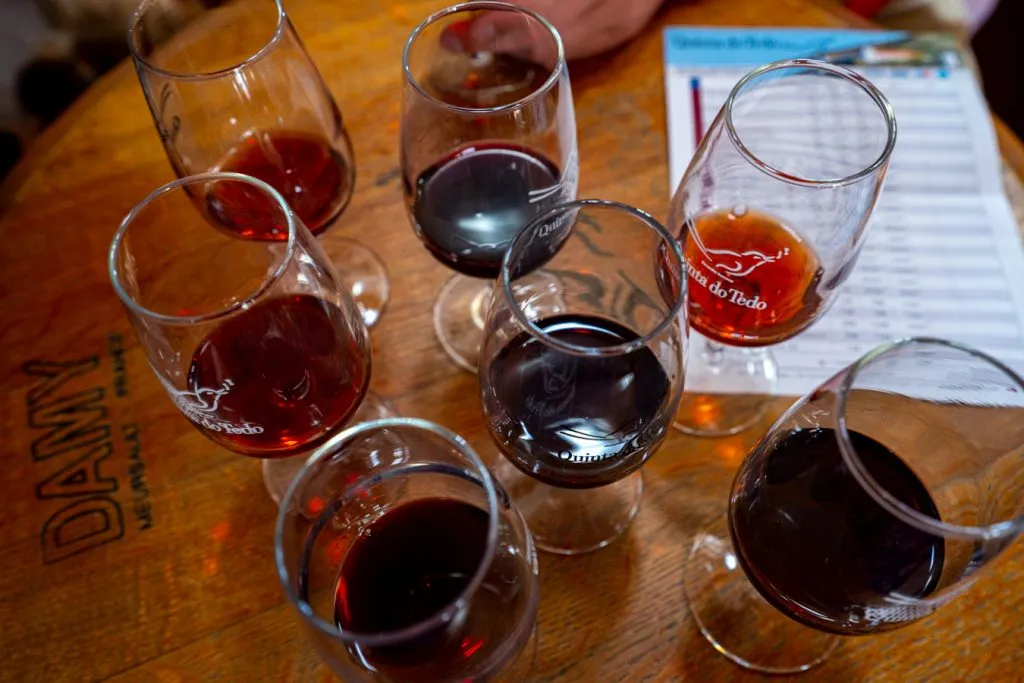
[{"x": 75, "y": 450}]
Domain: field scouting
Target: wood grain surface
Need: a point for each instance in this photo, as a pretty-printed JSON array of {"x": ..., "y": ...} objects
[{"x": 178, "y": 582}]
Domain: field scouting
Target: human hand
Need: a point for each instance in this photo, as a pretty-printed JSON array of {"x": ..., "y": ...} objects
[{"x": 587, "y": 27}]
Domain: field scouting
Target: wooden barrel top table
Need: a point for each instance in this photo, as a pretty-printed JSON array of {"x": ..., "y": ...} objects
[{"x": 178, "y": 581}]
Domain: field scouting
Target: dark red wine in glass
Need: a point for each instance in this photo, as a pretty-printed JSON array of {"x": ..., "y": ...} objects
[
  {"x": 309, "y": 173},
  {"x": 467, "y": 207},
  {"x": 818, "y": 547},
  {"x": 574, "y": 421},
  {"x": 406, "y": 567},
  {"x": 276, "y": 379}
]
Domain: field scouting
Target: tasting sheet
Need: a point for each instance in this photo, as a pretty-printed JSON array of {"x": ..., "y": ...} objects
[{"x": 943, "y": 257}]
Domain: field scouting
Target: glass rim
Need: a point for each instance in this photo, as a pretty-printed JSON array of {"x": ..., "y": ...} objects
[
  {"x": 268, "y": 281},
  {"x": 891, "y": 504},
  {"x": 474, "y": 5},
  {"x": 880, "y": 100},
  {"x": 256, "y": 56},
  {"x": 578, "y": 350},
  {"x": 449, "y": 611}
]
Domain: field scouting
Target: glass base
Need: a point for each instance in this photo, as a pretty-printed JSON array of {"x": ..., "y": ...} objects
[
  {"x": 737, "y": 621},
  {"x": 278, "y": 473},
  {"x": 752, "y": 371},
  {"x": 572, "y": 521},
  {"x": 460, "y": 313},
  {"x": 363, "y": 273},
  {"x": 523, "y": 667}
]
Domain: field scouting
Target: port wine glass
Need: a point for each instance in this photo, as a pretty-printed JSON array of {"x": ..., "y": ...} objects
[
  {"x": 238, "y": 93},
  {"x": 488, "y": 141},
  {"x": 772, "y": 213},
  {"x": 872, "y": 502},
  {"x": 257, "y": 343},
  {"x": 582, "y": 368},
  {"x": 406, "y": 561}
]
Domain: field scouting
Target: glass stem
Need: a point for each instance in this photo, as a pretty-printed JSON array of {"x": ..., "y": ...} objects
[{"x": 714, "y": 353}]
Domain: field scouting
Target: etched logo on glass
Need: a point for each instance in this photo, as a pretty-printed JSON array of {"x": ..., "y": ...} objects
[
  {"x": 729, "y": 264},
  {"x": 200, "y": 405}
]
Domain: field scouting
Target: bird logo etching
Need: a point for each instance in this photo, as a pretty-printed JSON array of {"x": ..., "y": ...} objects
[
  {"x": 729, "y": 264},
  {"x": 202, "y": 400}
]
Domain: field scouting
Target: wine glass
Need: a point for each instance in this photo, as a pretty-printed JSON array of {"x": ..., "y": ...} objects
[
  {"x": 238, "y": 92},
  {"x": 405, "y": 561},
  {"x": 872, "y": 502},
  {"x": 582, "y": 367},
  {"x": 488, "y": 141},
  {"x": 258, "y": 343},
  {"x": 772, "y": 213}
]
